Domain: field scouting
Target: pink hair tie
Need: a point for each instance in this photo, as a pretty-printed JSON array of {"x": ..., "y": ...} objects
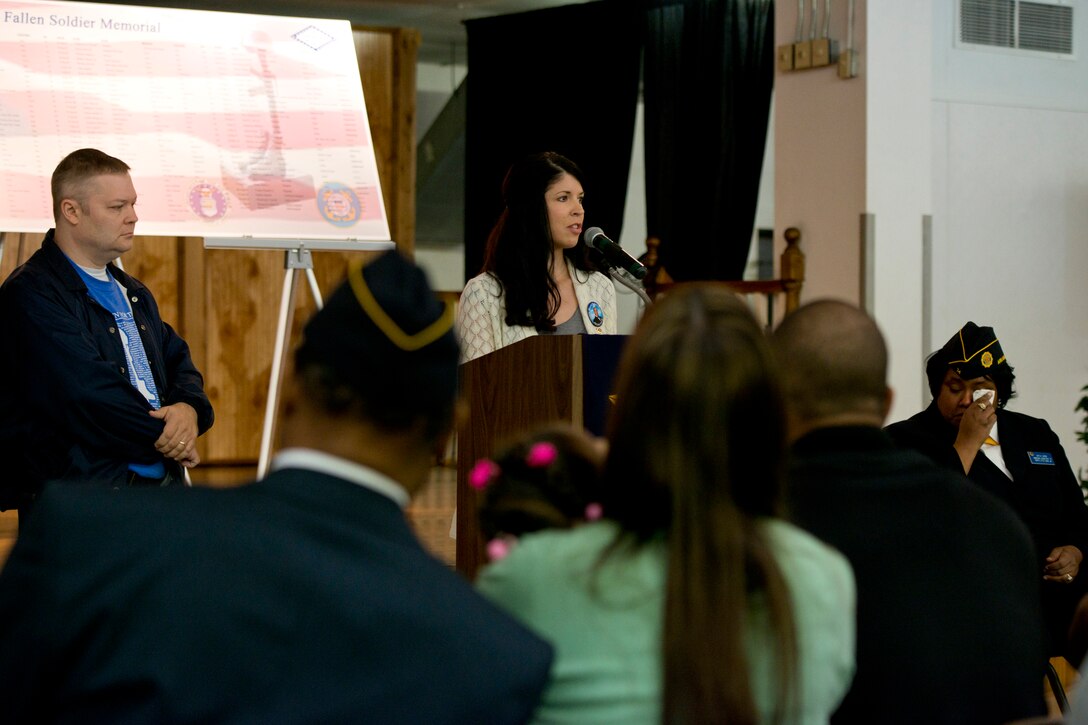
[
  {"x": 541, "y": 455},
  {"x": 593, "y": 511},
  {"x": 498, "y": 548},
  {"x": 482, "y": 473}
]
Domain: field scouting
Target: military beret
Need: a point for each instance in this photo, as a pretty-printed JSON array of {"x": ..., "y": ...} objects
[
  {"x": 974, "y": 352},
  {"x": 385, "y": 333}
]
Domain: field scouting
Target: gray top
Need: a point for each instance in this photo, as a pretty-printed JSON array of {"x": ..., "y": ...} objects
[{"x": 574, "y": 326}]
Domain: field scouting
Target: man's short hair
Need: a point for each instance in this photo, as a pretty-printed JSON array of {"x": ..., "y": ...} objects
[
  {"x": 76, "y": 169},
  {"x": 833, "y": 360}
]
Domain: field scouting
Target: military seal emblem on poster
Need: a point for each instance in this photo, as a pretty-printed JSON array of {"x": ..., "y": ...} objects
[
  {"x": 208, "y": 201},
  {"x": 338, "y": 204}
]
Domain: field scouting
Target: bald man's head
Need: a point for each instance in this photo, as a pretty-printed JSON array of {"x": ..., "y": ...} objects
[{"x": 834, "y": 363}]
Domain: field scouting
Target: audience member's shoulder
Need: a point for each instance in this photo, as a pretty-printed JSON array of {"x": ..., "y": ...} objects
[
  {"x": 555, "y": 548},
  {"x": 540, "y": 561},
  {"x": 810, "y": 564},
  {"x": 87, "y": 506},
  {"x": 982, "y": 501},
  {"x": 907, "y": 426},
  {"x": 794, "y": 543},
  {"x": 62, "y": 499},
  {"x": 978, "y": 506}
]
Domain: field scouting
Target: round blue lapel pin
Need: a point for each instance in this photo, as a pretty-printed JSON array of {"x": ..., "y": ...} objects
[{"x": 596, "y": 314}]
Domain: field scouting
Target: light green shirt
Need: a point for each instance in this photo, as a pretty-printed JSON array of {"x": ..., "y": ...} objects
[{"x": 606, "y": 627}]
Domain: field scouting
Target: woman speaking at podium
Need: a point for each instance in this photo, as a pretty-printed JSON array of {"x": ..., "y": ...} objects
[{"x": 537, "y": 277}]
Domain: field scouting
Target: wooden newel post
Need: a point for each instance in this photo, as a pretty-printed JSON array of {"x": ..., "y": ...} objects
[{"x": 792, "y": 272}]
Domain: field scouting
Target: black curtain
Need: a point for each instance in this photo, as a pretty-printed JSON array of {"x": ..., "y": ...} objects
[
  {"x": 707, "y": 81},
  {"x": 561, "y": 79}
]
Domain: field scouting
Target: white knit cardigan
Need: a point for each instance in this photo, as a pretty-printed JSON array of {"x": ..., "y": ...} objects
[{"x": 482, "y": 309}]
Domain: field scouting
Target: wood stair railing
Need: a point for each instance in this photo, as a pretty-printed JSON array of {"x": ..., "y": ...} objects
[{"x": 789, "y": 284}]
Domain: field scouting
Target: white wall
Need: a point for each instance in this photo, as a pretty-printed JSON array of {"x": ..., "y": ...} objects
[
  {"x": 633, "y": 238},
  {"x": 898, "y": 180},
  {"x": 995, "y": 146},
  {"x": 1010, "y": 203}
]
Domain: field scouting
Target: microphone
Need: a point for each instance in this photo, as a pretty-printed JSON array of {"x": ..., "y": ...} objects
[{"x": 613, "y": 253}]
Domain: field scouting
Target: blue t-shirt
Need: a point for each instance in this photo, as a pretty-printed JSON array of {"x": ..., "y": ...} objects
[{"x": 111, "y": 295}]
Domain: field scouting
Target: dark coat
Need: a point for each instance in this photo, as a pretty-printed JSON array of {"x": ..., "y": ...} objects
[
  {"x": 1046, "y": 497},
  {"x": 69, "y": 411},
  {"x": 948, "y": 622},
  {"x": 301, "y": 598}
]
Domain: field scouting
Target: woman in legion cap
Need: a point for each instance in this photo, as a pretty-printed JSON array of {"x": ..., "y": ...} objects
[{"x": 967, "y": 428}]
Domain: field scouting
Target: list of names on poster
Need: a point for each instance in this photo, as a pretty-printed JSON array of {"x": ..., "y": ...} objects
[{"x": 234, "y": 125}]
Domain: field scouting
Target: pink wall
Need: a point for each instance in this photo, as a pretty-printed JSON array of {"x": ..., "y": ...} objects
[{"x": 820, "y": 138}]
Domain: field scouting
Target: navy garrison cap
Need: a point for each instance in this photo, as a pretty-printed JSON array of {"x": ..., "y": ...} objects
[
  {"x": 974, "y": 352},
  {"x": 383, "y": 329}
]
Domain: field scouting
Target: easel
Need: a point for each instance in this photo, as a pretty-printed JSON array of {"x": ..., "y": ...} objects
[{"x": 297, "y": 258}]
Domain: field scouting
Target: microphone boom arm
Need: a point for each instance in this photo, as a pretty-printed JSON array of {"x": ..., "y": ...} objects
[{"x": 627, "y": 280}]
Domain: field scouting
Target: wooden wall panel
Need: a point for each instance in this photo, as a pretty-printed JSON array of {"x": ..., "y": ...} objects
[
  {"x": 241, "y": 300},
  {"x": 17, "y": 248},
  {"x": 225, "y": 303},
  {"x": 387, "y": 66},
  {"x": 154, "y": 261}
]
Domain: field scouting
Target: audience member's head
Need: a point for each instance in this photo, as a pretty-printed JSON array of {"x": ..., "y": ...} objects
[
  {"x": 834, "y": 366},
  {"x": 382, "y": 352},
  {"x": 972, "y": 353},
  {"x": 696, "y": 444},
  {"x": 548, "y": 479}
]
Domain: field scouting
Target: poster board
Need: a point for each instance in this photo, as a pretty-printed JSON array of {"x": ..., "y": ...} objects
[{"x": 238, "y": 128}]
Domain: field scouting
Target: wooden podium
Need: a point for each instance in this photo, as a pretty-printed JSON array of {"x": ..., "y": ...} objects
[{"x": 543, "y": 379}]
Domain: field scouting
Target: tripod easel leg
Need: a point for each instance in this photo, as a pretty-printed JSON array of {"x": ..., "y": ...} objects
[{"x": 296, "y": 260}]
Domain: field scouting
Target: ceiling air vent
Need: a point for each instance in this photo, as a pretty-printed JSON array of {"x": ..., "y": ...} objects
[{"x": 1039, "y": 27}]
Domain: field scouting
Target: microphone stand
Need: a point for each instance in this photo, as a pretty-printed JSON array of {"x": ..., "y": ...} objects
[{"x": 628, "y": 280}]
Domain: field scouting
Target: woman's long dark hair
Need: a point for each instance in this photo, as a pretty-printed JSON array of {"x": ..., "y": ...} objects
[
  {"x": 697, "y": 443},
  {"x": 519, "y": 247}
]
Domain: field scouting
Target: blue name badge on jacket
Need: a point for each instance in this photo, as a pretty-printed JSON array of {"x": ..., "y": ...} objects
[{"x": 1039, "y": 458}]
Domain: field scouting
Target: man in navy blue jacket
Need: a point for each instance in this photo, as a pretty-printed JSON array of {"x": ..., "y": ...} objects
[
  {"x": 301, "y": 598},
  {"x": 100, "y": 388}
]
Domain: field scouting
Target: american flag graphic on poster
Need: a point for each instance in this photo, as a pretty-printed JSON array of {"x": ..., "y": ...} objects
[{"x": 233, "y": 124}]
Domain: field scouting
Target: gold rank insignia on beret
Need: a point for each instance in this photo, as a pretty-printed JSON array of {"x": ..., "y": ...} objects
[
  {"x": 386, "y": 324},
  {"x": 974, "y": 351},
  {"x": 385, "y": 333}
]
